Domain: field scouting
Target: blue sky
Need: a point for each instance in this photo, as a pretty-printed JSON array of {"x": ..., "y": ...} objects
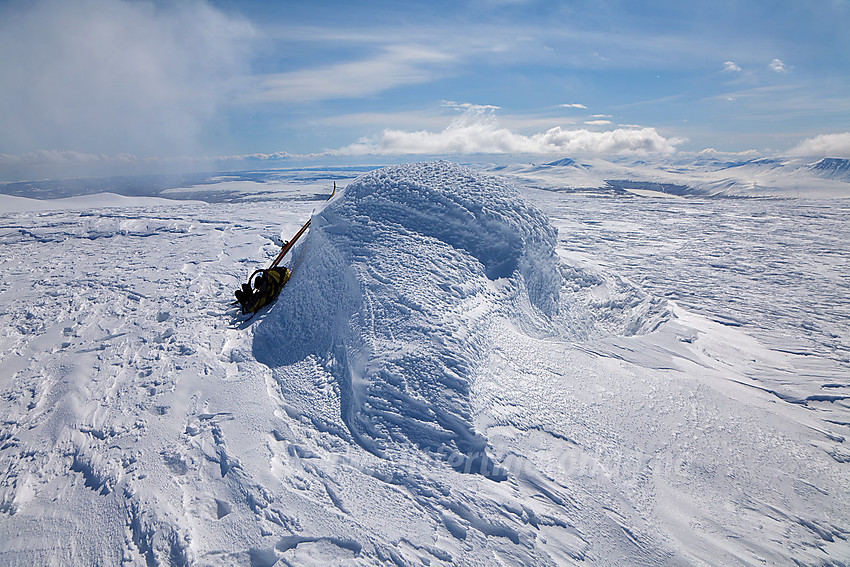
[{"x": 98, "y": 83}]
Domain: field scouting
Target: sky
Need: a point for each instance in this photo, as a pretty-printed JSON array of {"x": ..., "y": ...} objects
[{"x": 115, "y": 85}]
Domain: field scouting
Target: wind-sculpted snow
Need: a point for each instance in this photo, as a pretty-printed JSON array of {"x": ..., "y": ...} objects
[
  {"x": 399, "y": 278},
  {"x": 429, "y": 331}
]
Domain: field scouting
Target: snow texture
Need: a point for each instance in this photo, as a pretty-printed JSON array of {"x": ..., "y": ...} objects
[
  {"x": 461, "y": 371},
  {"x": 399, "y": 273}
]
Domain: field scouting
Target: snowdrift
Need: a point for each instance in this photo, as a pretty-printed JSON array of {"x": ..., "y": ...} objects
[{"x": 393, "y": 295}]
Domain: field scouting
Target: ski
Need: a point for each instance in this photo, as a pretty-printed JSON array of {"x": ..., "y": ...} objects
[{"x": 288, "y": 246}]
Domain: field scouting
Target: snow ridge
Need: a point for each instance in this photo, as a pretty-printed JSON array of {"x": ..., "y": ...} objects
[{"x": 399, "y": 279}]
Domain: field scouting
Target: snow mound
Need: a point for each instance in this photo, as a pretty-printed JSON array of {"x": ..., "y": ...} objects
[{"x": 382, "y": 329}]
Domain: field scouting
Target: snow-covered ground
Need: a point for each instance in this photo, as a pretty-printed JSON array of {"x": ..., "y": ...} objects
[{"x": 464, "y": 369}]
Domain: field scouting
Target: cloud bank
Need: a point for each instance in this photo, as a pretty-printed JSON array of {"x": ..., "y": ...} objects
[
  {"x": 477, "y": 131},
  {"x": 56, "y": 157},
  {"x": 111, "y": 76},
  {"x": 49, "y": 158},
  {"x": 825, "y": 145}
]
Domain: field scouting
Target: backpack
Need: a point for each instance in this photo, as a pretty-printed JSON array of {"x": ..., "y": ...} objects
[{"x": 262, "y": 288}]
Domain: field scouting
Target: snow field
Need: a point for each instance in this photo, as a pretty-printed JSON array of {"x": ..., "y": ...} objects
[
  {"x": 112, "y": 316},
  {"x": 445, "y": 380}
]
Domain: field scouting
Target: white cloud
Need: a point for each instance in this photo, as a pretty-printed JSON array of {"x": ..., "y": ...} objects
[
  {"x": 474, "y": 133},
  {"x": 715, "y": 152},
  {"x": 396, "y": 66},
  {"x": 825, "y": 145},
  {"x": 276, "y": 156},
  {"x": 597, "y": 122},
  {"x": 115, "y": 75},
  {"x": 778, "y": 66},
  {"x": 573, "y": 105},
  {"x": 72, "y": 162},
  {"x": 731, "y": 67},
  {"x": 432, "y": 118},
  {"x": 470, "y": 107}
]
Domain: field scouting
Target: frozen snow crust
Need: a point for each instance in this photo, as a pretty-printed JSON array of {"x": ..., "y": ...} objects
[{"x": 396, "y": 286}]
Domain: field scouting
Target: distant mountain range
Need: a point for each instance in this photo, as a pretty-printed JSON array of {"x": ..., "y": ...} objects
[
  {"x": 702, "y": 175},
  {"x": 831, "y": 168},
  {"x": 705, "y": 176}
]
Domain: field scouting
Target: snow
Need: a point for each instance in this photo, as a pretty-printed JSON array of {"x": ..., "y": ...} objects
[
  {"x": 399, "y": 270},
  {"x": 14, "y": 204},
  {"x": 464, "y": 369}
]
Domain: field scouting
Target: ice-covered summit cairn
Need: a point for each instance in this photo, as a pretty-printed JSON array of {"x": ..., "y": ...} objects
[{"x": 402, "y": 275}]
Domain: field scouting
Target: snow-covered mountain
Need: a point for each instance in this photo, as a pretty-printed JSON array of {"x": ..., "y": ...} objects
[
  {"x": 833, "y": 168},
  {"x": 567, "y": 162},
  {"x": 696, "y": 176},
  {"x": 463, "y": 370}
]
